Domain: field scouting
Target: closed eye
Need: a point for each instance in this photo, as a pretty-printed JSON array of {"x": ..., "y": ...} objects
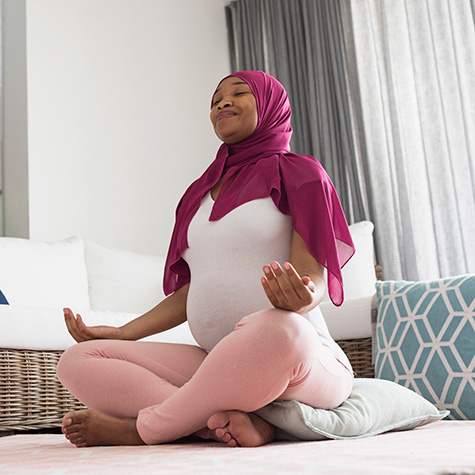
[{"x": 239, "y": 93}]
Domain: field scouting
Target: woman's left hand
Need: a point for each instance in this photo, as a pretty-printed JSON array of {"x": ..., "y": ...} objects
[{"x": 287, "y": 290}]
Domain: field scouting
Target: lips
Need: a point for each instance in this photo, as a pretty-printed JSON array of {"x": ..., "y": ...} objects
[{"x": 225, "y": 115}]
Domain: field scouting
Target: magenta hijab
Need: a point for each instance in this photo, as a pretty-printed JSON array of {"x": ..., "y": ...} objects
[{"x": 261, "y": 166}]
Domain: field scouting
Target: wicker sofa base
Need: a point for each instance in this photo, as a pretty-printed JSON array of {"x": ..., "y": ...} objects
[{"x": 31, "y": 397}]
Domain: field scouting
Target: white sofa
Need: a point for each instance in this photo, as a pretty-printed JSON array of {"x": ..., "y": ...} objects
[{"x": 109, "y": 286}]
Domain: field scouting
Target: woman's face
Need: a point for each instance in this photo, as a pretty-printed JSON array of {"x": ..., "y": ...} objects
[{"x": 234, "y": 110}]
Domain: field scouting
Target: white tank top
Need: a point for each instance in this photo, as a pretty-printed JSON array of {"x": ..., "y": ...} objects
[{"x": 226, "y": 257}]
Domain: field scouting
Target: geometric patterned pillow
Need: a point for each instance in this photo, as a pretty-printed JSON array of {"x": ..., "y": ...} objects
[{"x": 425, "y": 340}]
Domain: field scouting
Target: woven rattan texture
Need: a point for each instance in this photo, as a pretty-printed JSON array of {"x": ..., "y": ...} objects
[
  {"x": 31, "y": 397},
  {"x": 359, "y": 352}
]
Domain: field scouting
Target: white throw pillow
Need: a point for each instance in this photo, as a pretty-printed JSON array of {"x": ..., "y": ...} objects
[
  {"x": 358, "y": 274},
  {"x": 40, "y": 274},
  {"x": 123, "y": 281}
]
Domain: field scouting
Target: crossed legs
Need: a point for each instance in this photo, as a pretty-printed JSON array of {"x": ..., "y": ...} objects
[{"x": 156, "y": 392}]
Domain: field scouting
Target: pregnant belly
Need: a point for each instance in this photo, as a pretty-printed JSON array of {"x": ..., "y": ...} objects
[{"x": 215, "y": 309}]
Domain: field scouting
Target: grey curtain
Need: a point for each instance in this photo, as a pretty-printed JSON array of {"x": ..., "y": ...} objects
[
  {"x": 382, "y": 94},
  {"x": 413, "y": 64},
  {"x": 301, "y": 43}
]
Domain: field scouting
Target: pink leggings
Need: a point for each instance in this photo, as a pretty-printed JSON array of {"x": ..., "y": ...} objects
[{"x": 173, "y": 389}]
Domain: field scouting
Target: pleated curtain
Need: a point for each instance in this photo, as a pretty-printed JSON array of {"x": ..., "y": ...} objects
[{"x": 413, "y": 62}]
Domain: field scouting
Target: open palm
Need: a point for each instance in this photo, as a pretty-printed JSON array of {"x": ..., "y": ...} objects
[{"x": 81, "y": 332}]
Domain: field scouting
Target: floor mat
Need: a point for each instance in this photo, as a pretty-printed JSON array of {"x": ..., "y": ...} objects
[{"x": 441, "y": 448}]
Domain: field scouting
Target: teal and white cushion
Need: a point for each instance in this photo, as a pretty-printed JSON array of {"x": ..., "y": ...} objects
[{"x": 425, "y": 340}]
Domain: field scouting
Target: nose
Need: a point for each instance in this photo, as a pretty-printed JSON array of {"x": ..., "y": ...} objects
[{"x": 224, "y": 103}]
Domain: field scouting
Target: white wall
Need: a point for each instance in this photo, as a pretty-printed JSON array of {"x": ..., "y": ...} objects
[{"x": 118, "y": 103}]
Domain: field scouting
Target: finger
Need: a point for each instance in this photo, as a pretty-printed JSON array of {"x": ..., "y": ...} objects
[
  {"x": 286, "y": 286},
  {"x": 270, "y": 294},
  {"x": 301, "y": 288},
  {"x": 68, "y": 318},
  {"x": 308, "y": 282},
  {"x": 70, "y": 324},
  {"x": 73, "y": 330},
  {"x": 285, "y": 295},
  {"x": 67, "y": 312},
  {"x": 85, "y": 331},
  {"x": 273, "y": 283},
  {"x": 80, "y": 324}
]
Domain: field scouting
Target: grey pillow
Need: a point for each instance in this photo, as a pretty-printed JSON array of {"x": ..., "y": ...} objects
[{"x": 374, "y": 406}]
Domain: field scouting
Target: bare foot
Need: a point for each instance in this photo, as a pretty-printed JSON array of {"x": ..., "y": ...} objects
[
  {"x": 238, "y": 429},
  {"x": 88, "y": 428}
]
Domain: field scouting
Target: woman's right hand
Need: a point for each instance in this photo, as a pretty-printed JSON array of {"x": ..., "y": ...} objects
[{"x": 81, "y": 332}]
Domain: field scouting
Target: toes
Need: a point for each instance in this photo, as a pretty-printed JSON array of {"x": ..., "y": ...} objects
[
  {"x": 218, "y": 420},
  {"x": 233, "y": 443},
  {"x": 223, "y": 435},
  {"x": 81, "y": 444},
  {"x": 239, "y": 429},
  {"x": 71, "y": 429},
  {"x": 76, "y": 439},
  {"x": 226, "y": 437},
  {"x": 67, "y": 421},
  {"x": 70, "y": 422}
]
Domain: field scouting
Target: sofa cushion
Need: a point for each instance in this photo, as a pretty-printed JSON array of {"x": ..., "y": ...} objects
[
  {"x": 123, "y": 281},
  {"x": 374, "y": 406},
  {"x": 44, "y": 328},
  {"x": 358, "y": 274},
  {"x": 425, "y": 340},
  {"x": 350, "y": 320},
  {"x": 39, "y": 274}
]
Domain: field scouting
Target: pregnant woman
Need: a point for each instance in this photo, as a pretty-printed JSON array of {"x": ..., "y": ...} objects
[{"x": 245, "y": 267}]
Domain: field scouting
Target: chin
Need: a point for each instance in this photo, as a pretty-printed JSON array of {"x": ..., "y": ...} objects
[{"x": 227, "y": 138}]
